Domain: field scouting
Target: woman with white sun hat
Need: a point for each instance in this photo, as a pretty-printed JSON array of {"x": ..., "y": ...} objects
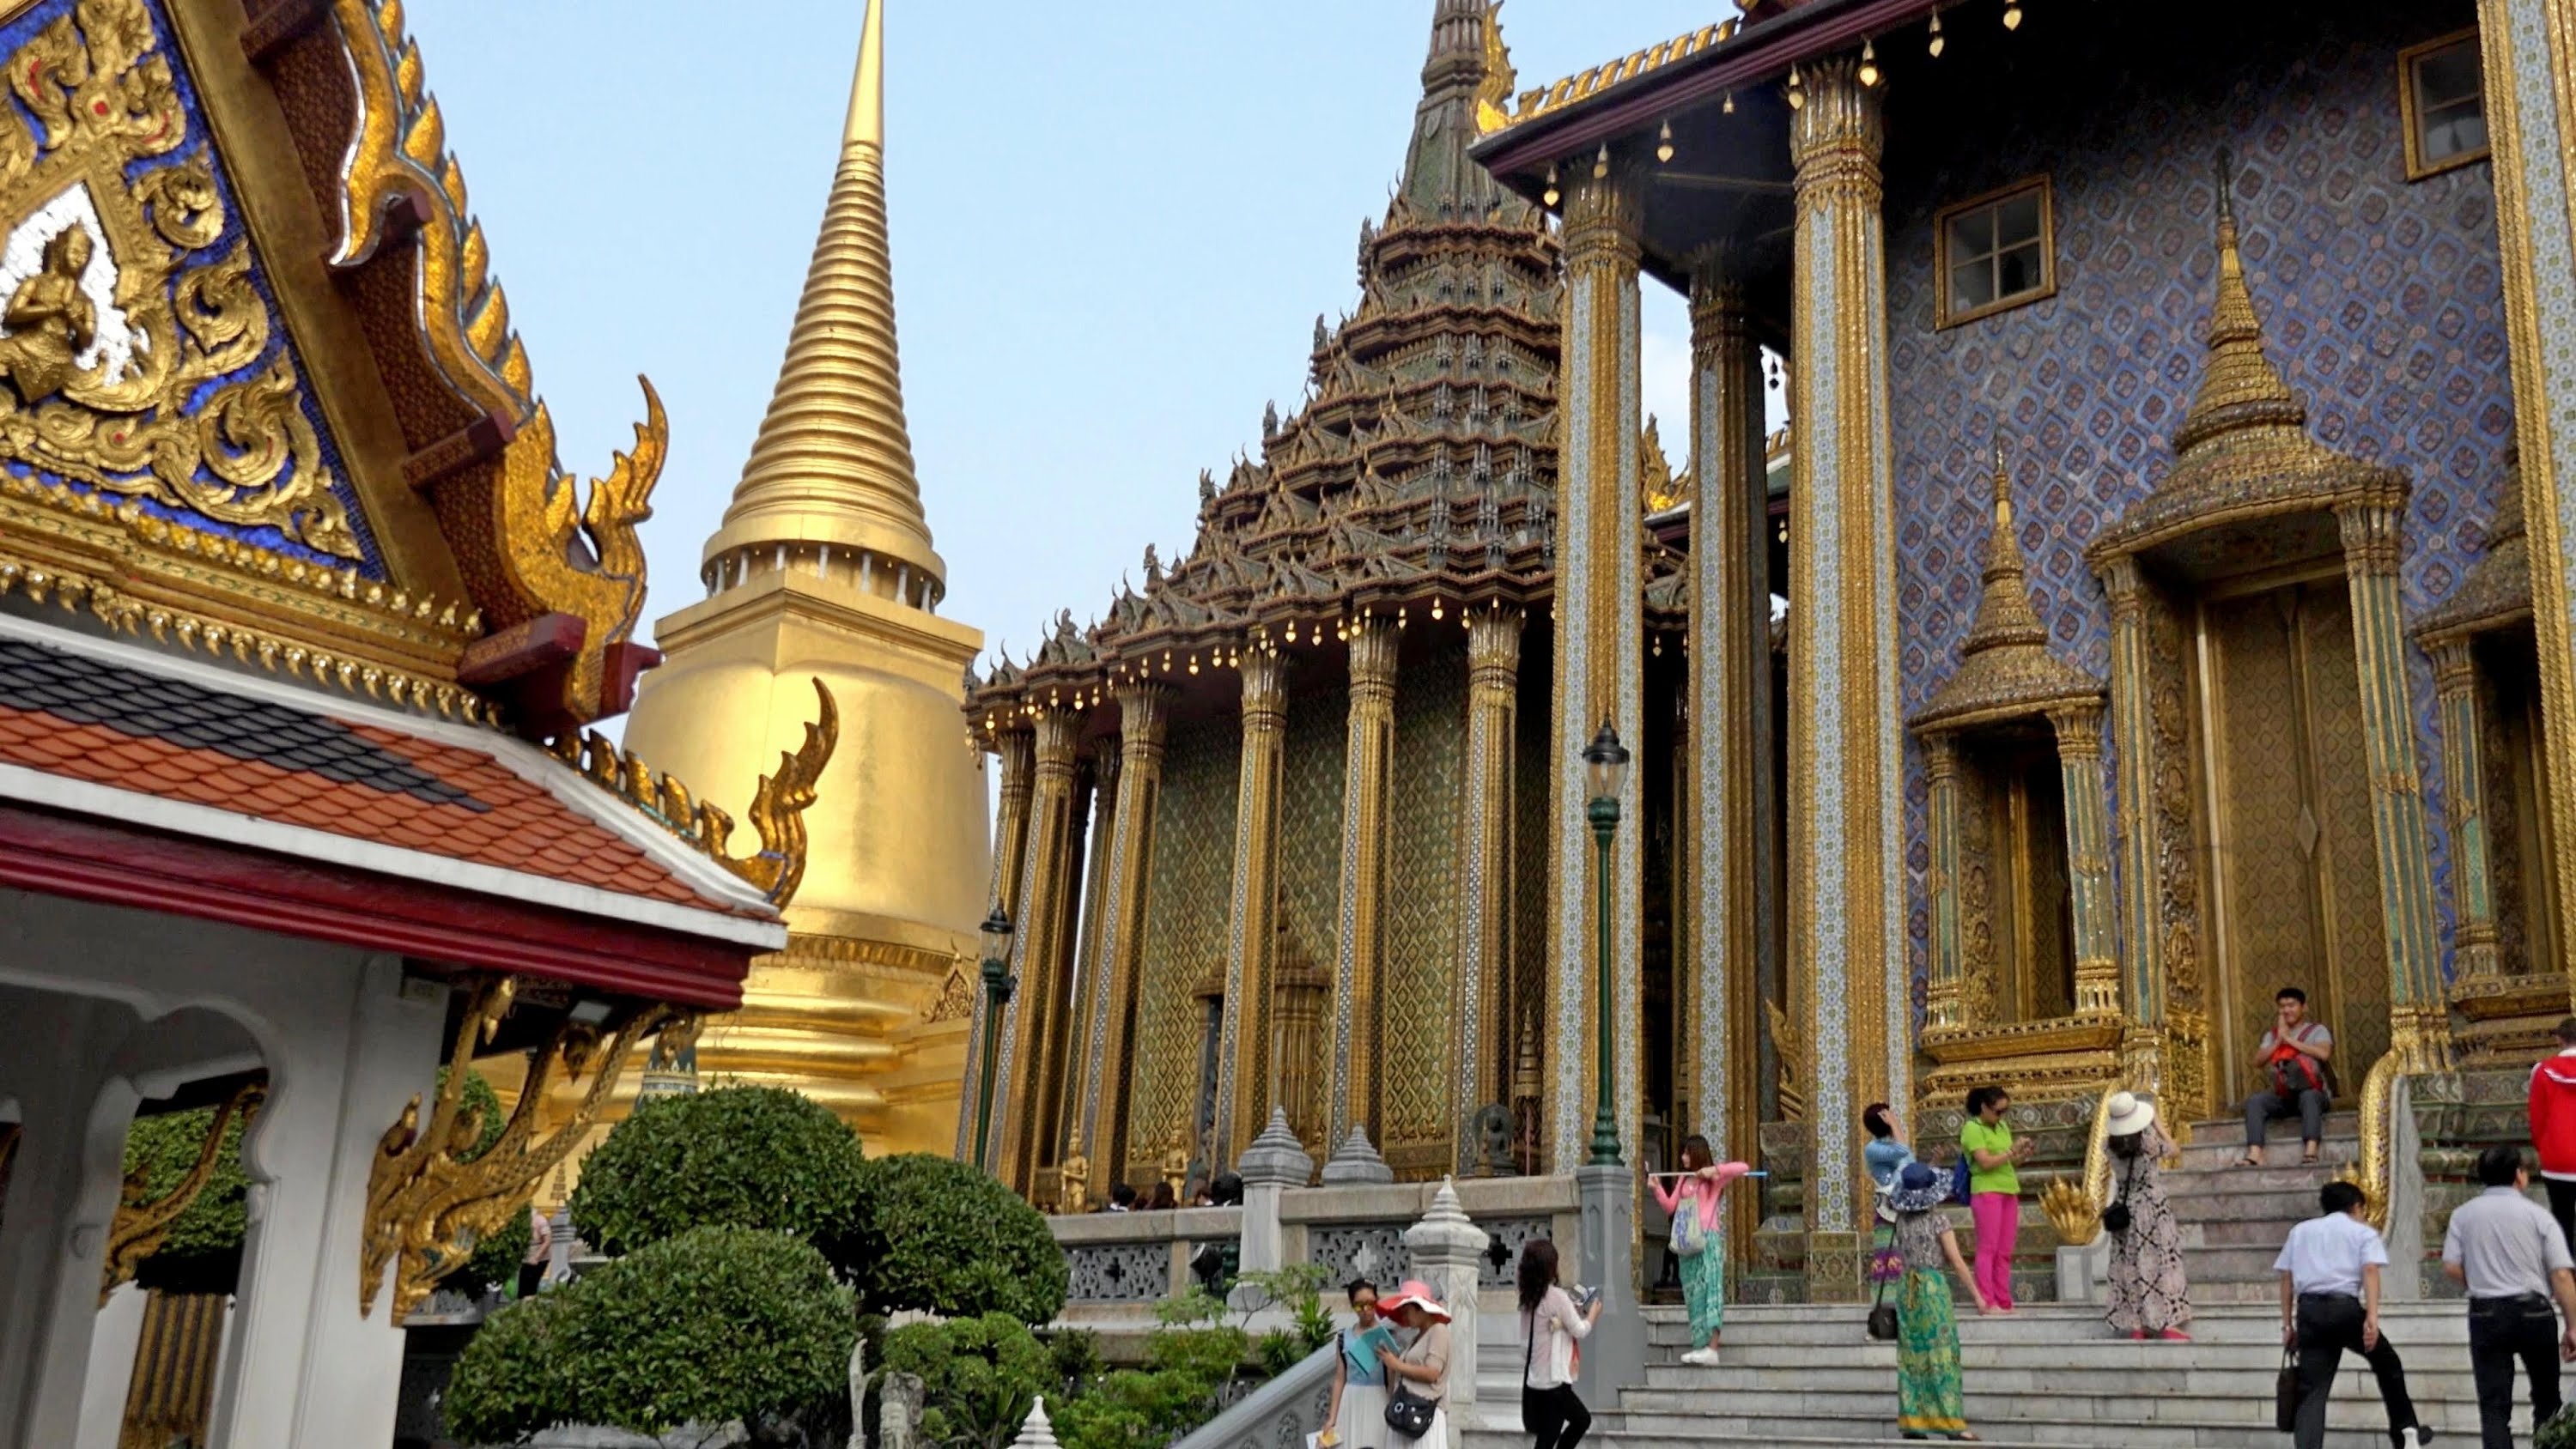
[{"x": 2148, "y": 1292}]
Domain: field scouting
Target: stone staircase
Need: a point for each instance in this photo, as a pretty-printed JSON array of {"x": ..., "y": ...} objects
[
  {"x": 2234, "y": 1219},
  {"x": 2049, "y": 1376},
  {"x": 2053, "y": 1374}
]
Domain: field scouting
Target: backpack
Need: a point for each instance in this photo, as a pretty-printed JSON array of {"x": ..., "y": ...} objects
[{"x": 1959, "y": 1179}]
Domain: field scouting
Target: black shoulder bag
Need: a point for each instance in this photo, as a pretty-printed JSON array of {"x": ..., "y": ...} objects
[
  {"x": 2117, "y": 1216},
  {"x": 1408, "y": 1413},
  {"x": 1882, "y": 1314}
]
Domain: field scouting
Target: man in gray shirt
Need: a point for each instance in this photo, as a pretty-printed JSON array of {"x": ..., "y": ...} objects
[{"x": 2509, "y": 1252}]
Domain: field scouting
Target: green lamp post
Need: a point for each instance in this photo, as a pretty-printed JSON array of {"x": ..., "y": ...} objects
[
  {"x": 996, "y": 933},
  {"x": 1605, "y": 767}
]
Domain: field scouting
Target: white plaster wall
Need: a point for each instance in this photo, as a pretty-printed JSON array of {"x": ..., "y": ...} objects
[
  {"x": 116, "y": 1005},
  {"x": 118, "y": 1332}
]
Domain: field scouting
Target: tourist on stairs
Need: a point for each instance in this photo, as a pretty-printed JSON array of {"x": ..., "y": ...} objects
[
  {"x": 2295, "y": 1057},
  {"x": 1693, "y": 1205},
  {"x": 2553, "y": 1128},
  {"x": 2329, "y": 1303},
  {"x": 1994, "y": 1192},
  {"x": 2513, "y": 1259},
  {"x": 1422, "y": 1370},
  {"x": 2147, "y": 1288},
  {"x": 1550, "y": 1409},
  {"x": 1356, "y": 1417},
  {"x": 1884, "y": 1156},
  {"x": 1930, "y": 1397}
]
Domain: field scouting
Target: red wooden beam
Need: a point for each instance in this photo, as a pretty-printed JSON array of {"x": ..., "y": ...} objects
[{"x": 146, "y": 870}]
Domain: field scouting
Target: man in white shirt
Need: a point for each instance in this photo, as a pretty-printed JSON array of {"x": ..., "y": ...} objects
[
  {"x": 2329, "y": 1303},
  {"x": 2508, "y": 1252}
]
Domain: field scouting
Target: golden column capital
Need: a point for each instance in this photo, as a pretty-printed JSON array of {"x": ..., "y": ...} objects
[
  {"x": 2454, "y": 666},
  {"x": 1941, "y": 757},
  {"x": 1017, "y": 751},
  {"x": 1059, "y": 732},
  {"x": 1265, "y": 689},
  {"x": 2373, "y": 537},
  {"x": 1144, "y": 712},
  {"x": 2125, "y": 586},
  {"x": 1105, "y": 760},
  {"x": 2079, "y": 730},
  {"x": 1837, "y": 131},
  {"x": 1604, "y": 212},
  {"x": 1494, "y": 648},
  {"x": 1372, "y": 662}
]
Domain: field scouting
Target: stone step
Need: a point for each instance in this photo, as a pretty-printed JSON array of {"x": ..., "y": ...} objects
[
  {"x": 2033, "y": 1388},
  {"x": 2050, "y": 1323},
  {"x": 1880, "y": 1435},
  {"x": 1878, "y": 1428},
  {"x": 2268, "y": 1183}
]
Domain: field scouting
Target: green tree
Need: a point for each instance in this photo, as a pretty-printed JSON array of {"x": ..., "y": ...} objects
[
  {"x": 202, "y": 1253},
  {"x": 978, "y": 1376},
  {"x": 941, "y": 1237},
  {"x": 716, "y": 1326},
  {"x": 744, "y": 1157},
  {"x": 1190, "y": 1358}
]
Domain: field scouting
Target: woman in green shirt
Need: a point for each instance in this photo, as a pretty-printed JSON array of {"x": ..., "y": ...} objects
[{"x": 1994, "y": 1191}]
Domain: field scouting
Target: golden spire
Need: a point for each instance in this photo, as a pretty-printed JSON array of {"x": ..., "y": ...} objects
[
  {"x": 2004, "y": 615},
  {"x": 2241, "y": 387},
  {"x": 833, "y": 463}
]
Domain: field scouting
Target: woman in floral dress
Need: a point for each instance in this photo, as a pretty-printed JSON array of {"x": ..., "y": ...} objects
[
  {"x": 2148, "y": 1294},
  {"x": 1930, "y": 1395}
]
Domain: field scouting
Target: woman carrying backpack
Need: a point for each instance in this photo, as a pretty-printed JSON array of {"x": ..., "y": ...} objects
[{"x": 1693, "y": 1204}]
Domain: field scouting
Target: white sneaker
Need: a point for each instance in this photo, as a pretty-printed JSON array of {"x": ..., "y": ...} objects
[
  {"x": 1701, "y": 1358},
  {"x": 2415, "y": 1438}
]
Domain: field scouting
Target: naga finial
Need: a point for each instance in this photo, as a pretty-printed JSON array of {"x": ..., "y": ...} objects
[{"x": 778, "y": 808}]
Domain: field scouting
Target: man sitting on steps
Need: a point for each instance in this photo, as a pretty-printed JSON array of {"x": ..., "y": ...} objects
[
  {"x": 2329, "y": 1303},
  {"x": 2292, "y": 1062}
]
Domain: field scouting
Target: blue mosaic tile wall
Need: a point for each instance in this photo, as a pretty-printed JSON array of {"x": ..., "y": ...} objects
[
  {"x": 2381, "y": 301},
  {"x": 163, "y": 45}
]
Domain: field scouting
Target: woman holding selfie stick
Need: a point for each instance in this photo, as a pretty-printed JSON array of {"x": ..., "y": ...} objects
[{"x": 1693, "y": 1203}]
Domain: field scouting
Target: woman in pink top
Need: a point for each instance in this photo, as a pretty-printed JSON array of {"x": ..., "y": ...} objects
[{"x": 1693, "y": 1204}]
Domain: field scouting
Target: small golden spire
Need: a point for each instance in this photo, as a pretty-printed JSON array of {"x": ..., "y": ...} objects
[
  {"x": 833, "y": 463},
  {"x": 2004, "y": 615},
  {"x": 2241, "y": 387}
]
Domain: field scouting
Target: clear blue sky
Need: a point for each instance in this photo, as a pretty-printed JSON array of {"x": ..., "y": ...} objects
[{"x": 1113, "y": 227}]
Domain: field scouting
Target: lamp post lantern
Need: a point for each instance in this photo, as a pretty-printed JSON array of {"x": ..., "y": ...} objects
[
  {"x": 1605, "y": 767},
  {"x": 996, "y": 933}
]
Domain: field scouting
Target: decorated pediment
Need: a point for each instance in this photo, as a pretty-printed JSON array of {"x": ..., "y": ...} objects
[{"x": 143, "y": 361}]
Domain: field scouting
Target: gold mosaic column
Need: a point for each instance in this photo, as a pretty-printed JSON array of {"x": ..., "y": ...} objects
[
  {"x": 1352, "y": 1097},
  {"x": 1018, "y": 751},
  {"x": 1244, "y": 1071},
  {"x": 1036, "y": 947},
  {"x": 2419, "y": 1013},
  {"x": 2530, "y": 104},
  {"x": 2142, "y": 1044},
  {"x": 1945, "y": 1004},
  {"x": 1481, "y": 1040},
  {"x": 1091, "y": 1005},
  {"x": 1845, "y": 873},
  {"x": 1599, "y": 659},
  {"x": 1143, "y": 710},
  {"x": 2088, "y": 859},
  {"x": 1732, "y": 900},
  {"x": 2455, "y": 681}
]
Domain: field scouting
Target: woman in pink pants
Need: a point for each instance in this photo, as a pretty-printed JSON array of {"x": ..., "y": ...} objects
[{"x": 1994, "y": 1190}]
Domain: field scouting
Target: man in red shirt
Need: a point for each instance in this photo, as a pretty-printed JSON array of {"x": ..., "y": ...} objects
[{"x": 2553, "y": 1128}]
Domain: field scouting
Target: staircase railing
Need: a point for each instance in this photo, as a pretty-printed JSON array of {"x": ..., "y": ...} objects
[
  {"x": 2075, "y": 1208},
  {"x": 1280, "y": 1413}
]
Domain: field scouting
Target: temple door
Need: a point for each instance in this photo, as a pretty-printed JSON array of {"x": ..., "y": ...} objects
[{"x": 2292, "y": 875}]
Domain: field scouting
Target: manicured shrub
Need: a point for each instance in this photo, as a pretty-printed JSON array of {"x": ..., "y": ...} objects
[
  {"x": 741, "y": 1157},
  {"x": 714, "y": 1326},
  {"x": 941, "y": 1237},
  {"x": 978, "y": 1376},
  {"x": 202, "y": 1253}
]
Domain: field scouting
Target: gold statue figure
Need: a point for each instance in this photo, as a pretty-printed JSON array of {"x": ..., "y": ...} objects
[{"x": 50, "y": 320}]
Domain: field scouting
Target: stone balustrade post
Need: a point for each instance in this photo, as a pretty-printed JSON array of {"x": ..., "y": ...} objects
[
  {"x": 1274, "y": 1163},
  {"x": 1448, "y": 1253}
]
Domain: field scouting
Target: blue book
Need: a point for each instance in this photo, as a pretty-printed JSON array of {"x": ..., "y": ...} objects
[{"x": 1359, "y": 1351}]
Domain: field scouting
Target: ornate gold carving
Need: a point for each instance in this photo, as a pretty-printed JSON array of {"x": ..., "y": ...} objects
[
  {"x": 777, "y": 807},
  {"x": 142, "y": 1222},
  {"x": 2370, "y": 1173},
  {"x": 111, "y": 399},
  {"x": 2075, "y": 1208},
  {"x": 1662, "y": 488},
  {"x": 1792, "y": 1055},
  {"x": 426, "y": 1209},
  {"x": 956, "y": 998},
  {"x": 1546, "y": 100},
  {"x": 1494, "y": 88}
]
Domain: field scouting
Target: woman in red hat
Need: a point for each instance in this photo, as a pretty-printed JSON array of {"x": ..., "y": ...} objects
[{"x": 1423, "y": 1368}]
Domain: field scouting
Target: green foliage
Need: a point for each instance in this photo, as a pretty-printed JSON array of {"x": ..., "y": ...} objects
[
  {"x": 712, "y": 1326},
  {"x": 1180, "y": 1389},
  {"x": 1299, "y": 1288},
  {"x": 978, "y": 1375},
  {"x": 497, "y": 1258},
  {"x": 2558, "y": 1433},
  {"x": 1277, "y": 1352},
  {"x": 941, "y": 1237},
  {"x": 513, "y": 1379},
  {"x": 1077, "y": 1364},
  {"x": 741, "y": 1157},
  {"x": 202, "y": 1254}
]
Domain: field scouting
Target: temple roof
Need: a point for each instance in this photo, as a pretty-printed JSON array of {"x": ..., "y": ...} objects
[
  {"x": 2242, "y": 453},
  {"x": 2005, "y": 667},
  {"x": 1420, "y": 466}
]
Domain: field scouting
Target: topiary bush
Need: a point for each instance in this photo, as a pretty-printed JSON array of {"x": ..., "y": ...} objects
[
  {"x": 713, "y": 1326},
  {"x": 742, "y": 1157},
  {"x": 941, "y": 1237},
  {"x": 978, "y": 1376}
]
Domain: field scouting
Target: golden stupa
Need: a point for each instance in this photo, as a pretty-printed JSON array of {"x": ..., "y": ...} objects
[{"x": 823, "y": 569}]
